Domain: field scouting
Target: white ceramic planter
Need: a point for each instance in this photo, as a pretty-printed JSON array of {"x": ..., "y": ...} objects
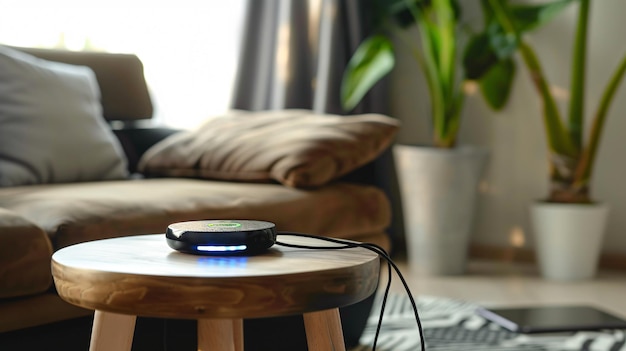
[
  {"x": 439, "y": 189},
  {"x": 568, "y": 239}
]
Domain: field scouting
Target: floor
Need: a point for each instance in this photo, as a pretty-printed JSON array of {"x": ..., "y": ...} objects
[{"x": 507, "y": 284}]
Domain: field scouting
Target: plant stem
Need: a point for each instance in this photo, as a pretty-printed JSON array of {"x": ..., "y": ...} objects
[
  {"x": 432, "y": 63},
  {"x": 445, "y": 26},
  {"x": 585, "y": 166},
  {"x": 563, "y": 153},
  {"x": 577, "y": 88},
  {"x": 437, "y": 98},
  {"x": 558, "y": 137}
]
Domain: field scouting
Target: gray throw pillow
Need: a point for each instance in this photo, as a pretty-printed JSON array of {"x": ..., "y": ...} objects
[{"x": 51, "y": 124}]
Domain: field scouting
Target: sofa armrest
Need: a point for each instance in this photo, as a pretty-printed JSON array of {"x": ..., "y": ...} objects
[
  {"x": 25, "y": 252},
  {"x": 135, "y": 141}
]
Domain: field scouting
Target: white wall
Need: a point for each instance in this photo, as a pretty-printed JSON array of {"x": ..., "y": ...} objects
[{"x": 517, "y": 173}]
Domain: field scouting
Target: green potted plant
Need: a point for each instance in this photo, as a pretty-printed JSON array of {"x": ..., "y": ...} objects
[
  {"x": 438, "y": 181},
  {"x": 569, "y": 205}
]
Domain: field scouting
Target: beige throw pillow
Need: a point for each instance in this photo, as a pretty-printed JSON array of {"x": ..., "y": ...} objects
[{"x": 297, "y": 148}]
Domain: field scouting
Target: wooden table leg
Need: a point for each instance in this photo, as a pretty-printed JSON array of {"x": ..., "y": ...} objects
[
  {"x": 238, "y": 334},
  {"x": 323, "y": 331},
  {"x": 220, "y": 335},
  {"x": 112, "y": 332}
]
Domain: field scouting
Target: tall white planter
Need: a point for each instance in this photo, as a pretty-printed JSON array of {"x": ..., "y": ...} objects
[
  {"x": 568, "y": 239},
  {"x": 439, "y": 189}
]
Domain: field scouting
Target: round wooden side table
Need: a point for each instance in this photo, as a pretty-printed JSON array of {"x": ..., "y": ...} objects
[{"x": 126, "y": 277}]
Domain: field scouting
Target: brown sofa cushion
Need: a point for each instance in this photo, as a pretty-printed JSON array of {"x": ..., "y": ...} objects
[
  {"x": 24, "y": 256},
  {"x": 73, "y": 213},
  {"x": 297, "y": 148}
]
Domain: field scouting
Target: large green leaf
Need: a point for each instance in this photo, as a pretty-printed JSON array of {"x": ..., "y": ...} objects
[
  {"x": 503, "y": 43},
  {"x": 529, "y": 17},
  {"x": 487, "y": 11},
  {"x": 397, "y": 11},
  {"x": 496, "y": 84},
  {"x": 373, "y": 59},
  {"x": 478, "y": 57},
  {"x": 487, "y": 49},
  {"x": 488, "y": 54},
  {"x": 403, "y": 11}
]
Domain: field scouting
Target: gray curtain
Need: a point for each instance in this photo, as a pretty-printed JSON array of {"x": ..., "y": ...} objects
[{"x": 293, "y": 56}]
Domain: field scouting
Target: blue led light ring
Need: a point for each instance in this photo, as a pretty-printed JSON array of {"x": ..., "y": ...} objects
[{"x": 221, "y": 248}]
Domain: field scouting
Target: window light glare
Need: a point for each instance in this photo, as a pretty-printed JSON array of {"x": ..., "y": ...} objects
[{"x": 195, "y": 27}]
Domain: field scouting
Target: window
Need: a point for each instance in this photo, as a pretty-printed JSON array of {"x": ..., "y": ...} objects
[{"x": 189, "y": 47}]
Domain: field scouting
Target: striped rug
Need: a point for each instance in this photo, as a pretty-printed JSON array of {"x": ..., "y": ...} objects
[{"x": 452, "y": 325}]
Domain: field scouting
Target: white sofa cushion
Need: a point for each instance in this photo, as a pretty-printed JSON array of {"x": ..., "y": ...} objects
[{"x": 51, "y": 124}]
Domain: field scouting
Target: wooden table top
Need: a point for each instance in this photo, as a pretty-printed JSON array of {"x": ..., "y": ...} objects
[{"x": 141, "y": 275}]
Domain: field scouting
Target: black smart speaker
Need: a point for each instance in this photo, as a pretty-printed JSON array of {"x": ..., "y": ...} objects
[{"x": 221, "y": 237}]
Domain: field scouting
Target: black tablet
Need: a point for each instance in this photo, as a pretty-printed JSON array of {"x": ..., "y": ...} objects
[{"x": 549, "y": 319}]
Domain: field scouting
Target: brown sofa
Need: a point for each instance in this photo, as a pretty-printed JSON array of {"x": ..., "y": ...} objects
[{"x": 37, "y": 219}]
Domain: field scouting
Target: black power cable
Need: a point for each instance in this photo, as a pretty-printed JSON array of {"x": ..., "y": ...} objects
[{"x": 346, "y": 244}]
